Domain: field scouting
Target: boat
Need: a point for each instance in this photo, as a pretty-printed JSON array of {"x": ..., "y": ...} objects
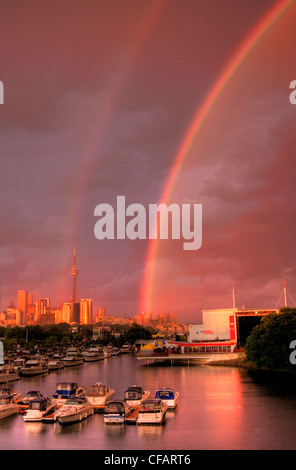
[
  {"x": 9, "y": 391},
  {"x": 99, "y": 395},
  {"x": 66, "y": 390},
  {"x": 73, "y": 357},
  {"x": 168, "y": 396},
  {"x": 135, "y": 394},
  {"x": 8, "y": 374},
  {"x": 34, "y": 366},
  {"x": 75, "y": 409},
  {"x": 94, "y": 354},
  {"x": 55, "y": 364},
  {"x": 8, "y": 406},
  {"x": 115, "y": 351},
  {"x": 152, "y": 411},
  {"x": 126, "y": 348},
  {"x": 116, "y": 412},
  {"x": 19, "y": 363},
  {"x": 39, "y": 408},
  {"x": 23, "y": 403}
]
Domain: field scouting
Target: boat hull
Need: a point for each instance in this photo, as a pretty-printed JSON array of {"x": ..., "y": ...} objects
[
  {"x": 73, "y": 362},
  {"x": 9, "y": 411},
  {"x": 34, "y": 371},
  {"x": 75, "y": 417}
]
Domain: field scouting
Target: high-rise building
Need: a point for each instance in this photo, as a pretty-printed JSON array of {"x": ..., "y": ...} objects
[
  {"x": 86, "y": 311},
  {"x": 22, "y": 305},
  {"x": 42, "y": 311}
]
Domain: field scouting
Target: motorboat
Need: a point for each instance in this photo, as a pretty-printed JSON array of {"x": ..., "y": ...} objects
[
  {"x": 19, "y": 363},
  {"x": 126, "y": 348},
  {"x": 99, "y": 395},
  {"x": 8, "y": 406},
  {"x": 9, "y": 391},
  {"x": 8, "y": 374},
  {"x": 168, "y": 396},
  {"x": 39, "y": 408},
  {"x": 55, "y": 364},
  {"x": 116, "y": 412},
  {"x": 73, "y": 357},
  {"x": 75, "y": 409},
  {"x": 94, "y": 354},
  {"x": 66, "y": 390},
  {"x": 34, "y": 366},
  {"x": 135, "y": 394},
  {"x": 23, "y": 403},
  {"x": 115, "y": 351},
  {"x": 152, "y": 411}
]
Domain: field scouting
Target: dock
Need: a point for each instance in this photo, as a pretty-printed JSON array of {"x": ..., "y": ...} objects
[
  {"x": 190, "y": 358},
  {"x": 133, "y": 416}
]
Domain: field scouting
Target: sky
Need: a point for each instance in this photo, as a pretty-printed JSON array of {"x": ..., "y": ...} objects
[{"x": 105, "y": 98}]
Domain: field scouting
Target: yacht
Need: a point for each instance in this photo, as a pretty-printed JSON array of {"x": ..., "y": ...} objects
[
  {"x": 152, "y": 411},
  {"x": 135, "y": 395},
  {"x": 8, "y": 405},
  {"x": 168, "y": 396},
  {"x": 115, "y": 351},
  {"x": 126, "y": 348},
  {"x": 99, "y": 395},
  {"x": 19, "y": 363},
  {"x": 73, "y": 357},
  {"x": 23, "y": 403},
  {"x": 8, "y": 374},
  {"x": 34, "y": 366},
  {"x": 94, "y": 354},
  {"x": 56, "y": 363},
  {"x": 116, "y": 412},
  {"x": 66, "y": 390},
  {"x": 39, "y": 408},
  {"x": 75, "y": 409}
]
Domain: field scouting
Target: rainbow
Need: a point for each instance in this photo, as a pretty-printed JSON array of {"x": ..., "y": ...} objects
[{"x": 239, "y": 56}]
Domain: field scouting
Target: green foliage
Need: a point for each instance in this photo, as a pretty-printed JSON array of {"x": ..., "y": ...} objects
[
  {"x": 268, "y": 345},
  {"x": 137, "y": 332}
]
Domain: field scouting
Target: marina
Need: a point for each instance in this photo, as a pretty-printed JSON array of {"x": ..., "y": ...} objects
[{"x": 218, "y": 408}]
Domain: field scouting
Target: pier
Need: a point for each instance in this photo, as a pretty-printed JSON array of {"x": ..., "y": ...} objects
[{"x": 192, "y": 358}]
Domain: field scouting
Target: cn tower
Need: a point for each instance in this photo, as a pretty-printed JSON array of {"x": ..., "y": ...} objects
[{"x": 74, "y": 272}]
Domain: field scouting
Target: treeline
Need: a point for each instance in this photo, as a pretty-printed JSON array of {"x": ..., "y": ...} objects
[
  {"x": 63, "y": 334},
  {"x": 270, "y": 344}
]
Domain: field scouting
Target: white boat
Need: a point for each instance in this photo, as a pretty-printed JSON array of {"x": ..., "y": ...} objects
[
  {"x": 23, "y": 403},
  {"x": 94, "y": 354},
  {"x": 72, "y": 357},
  {"x": 19, "y": 363},
  {"x": 126, "y": 348},
  {"x": 116, "y": 412},
  {"x": 66, "y": 390},
  {"x": 39, "y": 408},
  {"x": 8, "y": 374},
  {"x": 152, "y": 411},
  {"x": 75, "y": 409},
  {"x": 99, "y": 395},
  {"x": 8, "y": 405},
  {"x": 168, "y": 396},
  {"x": 115, "y": 351},
  {"x": 34, "y": 366},
  {"x": 135, "y": 394},
  {"x": 56, "y": 364}
]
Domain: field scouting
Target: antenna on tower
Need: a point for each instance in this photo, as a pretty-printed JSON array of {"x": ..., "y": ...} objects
[{"x": 233, "y": 295}]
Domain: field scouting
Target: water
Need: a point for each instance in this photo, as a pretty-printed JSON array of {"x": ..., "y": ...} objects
[{"x": 219, "y": 408}]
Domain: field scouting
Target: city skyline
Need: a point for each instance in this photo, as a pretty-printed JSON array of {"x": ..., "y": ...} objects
[{"x": 155, "y": 101}]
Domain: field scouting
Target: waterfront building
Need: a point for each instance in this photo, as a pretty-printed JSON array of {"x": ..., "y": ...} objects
[{"x": 86, "y": 311}]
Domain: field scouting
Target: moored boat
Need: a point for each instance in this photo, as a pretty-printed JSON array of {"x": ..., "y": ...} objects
[
  {"x": 168, "y": 396},
  {"x": 72, "y": 357},
  {"x": 135, "y": 394},
  {"x": 8, "y": 374},
  {"x": 126, "y": 348},
  {"x": 66, "y": 390},
  {"x": 116, "y": 412},
  {"x": 75, "y": 409},
  {"x": 38, "y": 409},
  {"x": 8, "y": 405},
  {"x": 55, "y": 364},
  {"x": 23, "y": 403},
  {"x": 152, "y": 411},
  {"x": 99, "y": 395},
  {"x": 94, "y": 354},
  {"x": 34, "y": 366}
]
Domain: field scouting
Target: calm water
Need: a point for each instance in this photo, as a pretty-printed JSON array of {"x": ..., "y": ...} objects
[{"x": 219, "y": 408}]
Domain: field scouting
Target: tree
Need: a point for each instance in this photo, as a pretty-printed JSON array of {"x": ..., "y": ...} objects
[
  {"x": 268, "y": 345},
  {"x": 137, "y": 332}
]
